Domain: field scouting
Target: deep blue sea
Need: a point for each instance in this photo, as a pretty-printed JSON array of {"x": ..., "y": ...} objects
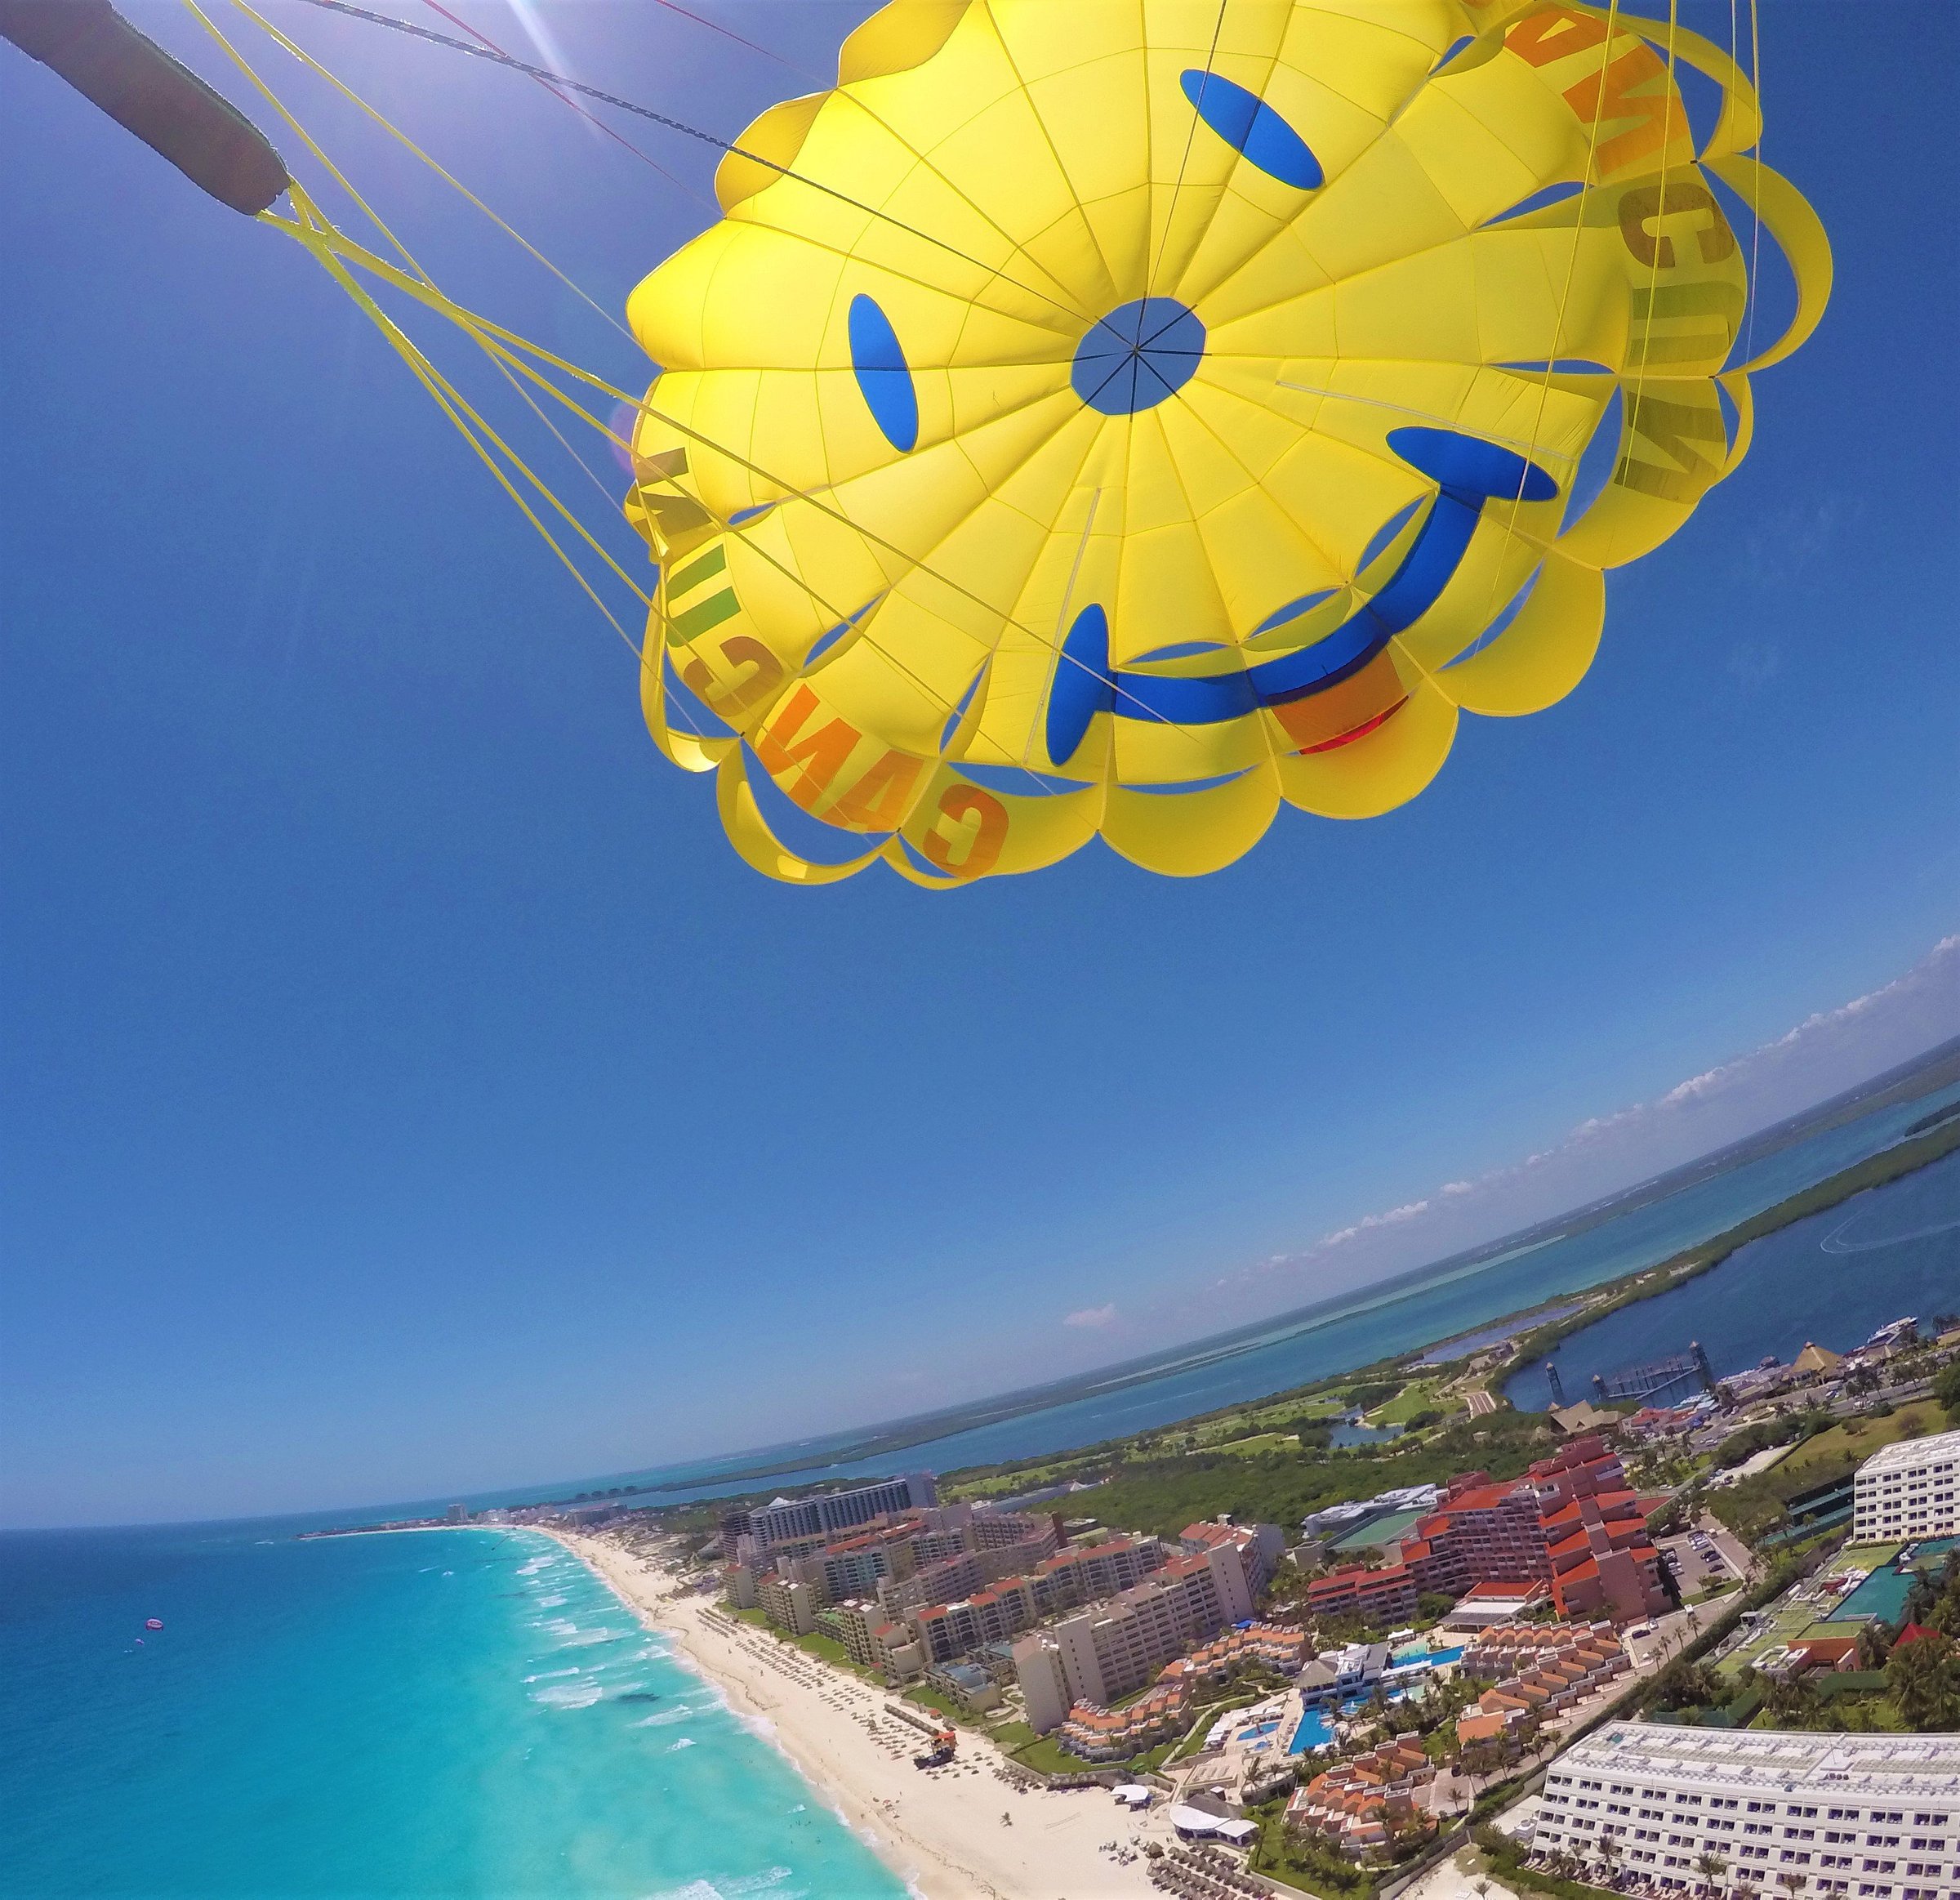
[{"x": 421, "y": 1714}]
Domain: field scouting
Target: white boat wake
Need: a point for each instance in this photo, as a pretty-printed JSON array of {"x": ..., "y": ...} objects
[{"x": 1833, "y": 1242}]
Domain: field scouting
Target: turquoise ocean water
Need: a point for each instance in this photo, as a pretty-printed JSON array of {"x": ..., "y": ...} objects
[{"x": 441, "y": 1714}]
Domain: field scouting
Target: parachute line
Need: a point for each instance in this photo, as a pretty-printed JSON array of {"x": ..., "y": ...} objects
[
  {"x": 320, "y": 236},
  {"x": 591, "y": 118},
  {"x": 499, "y": 57},
  {"x": 1190, "y": 136}
]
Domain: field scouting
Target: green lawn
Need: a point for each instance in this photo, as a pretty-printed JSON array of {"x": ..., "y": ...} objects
[
  {"x": 1852, "y": 1443},
  {"x": 1417, "y": 1395},
  {"x": 829, "y": 1649},
  {"x": 1047, "y": 1756},
  {"x": 1216, "y": 1433},
  {"x": 1010, "y": 1736},
  {"x": 1252, "y": 1447}
]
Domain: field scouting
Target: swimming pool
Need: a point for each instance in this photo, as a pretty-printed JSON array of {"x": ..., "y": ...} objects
[
  {"x": 1315, "y": 1731},
  {"x": 1315, "y": 1727},
  {"x": 1883, "y": 1595},
  {"x": 1263, "y": 1728}
]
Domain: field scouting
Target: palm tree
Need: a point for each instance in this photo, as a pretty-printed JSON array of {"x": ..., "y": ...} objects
[
  {"x": 1710, "y": 1867},
  {"x": 1610, "y": 1850},
  {"x": 1924, "y": 1679},
  {"x": 1792, "y": 1883}
]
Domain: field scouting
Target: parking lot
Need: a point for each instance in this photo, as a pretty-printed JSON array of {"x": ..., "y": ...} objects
[{"x": 1696, "y": 1563}]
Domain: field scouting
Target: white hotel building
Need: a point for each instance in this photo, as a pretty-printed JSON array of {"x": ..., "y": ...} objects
[
  {"x": 1871, "y": 1817},
  {"x": 1909, "y": 1491}
]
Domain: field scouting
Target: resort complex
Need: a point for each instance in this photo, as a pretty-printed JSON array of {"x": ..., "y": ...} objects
[
  {"x": 1572, "y": 1524},
  {"x": 1575, "y": 1644},
  {"x": 1110, "y": 1644}
]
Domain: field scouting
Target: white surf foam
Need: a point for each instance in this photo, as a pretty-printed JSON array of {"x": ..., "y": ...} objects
[{"x": 580, "y": 1695}]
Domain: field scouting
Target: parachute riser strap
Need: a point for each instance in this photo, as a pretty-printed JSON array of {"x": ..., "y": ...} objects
[
  {"x": 433, "y": 380},
  {"x": 314, "y": 234}
]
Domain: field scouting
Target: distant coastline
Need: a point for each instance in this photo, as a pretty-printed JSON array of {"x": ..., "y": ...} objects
[
  {"x": 1515, "y": 1341},
  {"x": 1558, "y": 1306},
  {"x": 1938, "y": 1068}
]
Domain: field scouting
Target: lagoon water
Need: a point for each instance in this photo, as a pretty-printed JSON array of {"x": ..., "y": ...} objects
[
  {"x": 1835, "y": 1278},
  {"x": 452, "y": 1714},
  {"x": 1378, "y": 1327}
]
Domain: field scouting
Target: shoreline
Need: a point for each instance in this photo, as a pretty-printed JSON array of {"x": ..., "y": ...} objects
[
  {"x": 939, "y": 1833},
  {"x": 1529, "y": 1334}
]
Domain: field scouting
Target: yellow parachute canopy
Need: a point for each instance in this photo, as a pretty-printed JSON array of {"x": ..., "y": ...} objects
[{"x": 1120, "y": 417}]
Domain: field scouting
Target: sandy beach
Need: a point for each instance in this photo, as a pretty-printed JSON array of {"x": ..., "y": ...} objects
[{"x": 943, "y": 1831}]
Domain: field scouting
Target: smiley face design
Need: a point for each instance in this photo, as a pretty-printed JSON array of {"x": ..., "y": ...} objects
[{"x": 1125, "y": 420}]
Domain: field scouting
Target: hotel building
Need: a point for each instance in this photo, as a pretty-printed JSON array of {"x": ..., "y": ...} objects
[
  {"x": 1366, "y": 1807},
  {"x": 837, "y": 1511},
  {"x": 1742, "y": 1811},
  {"x": 1571, "y": 1521},
  {"x": 1387, "y": 1595},
  {"x": 947, "y": 1631},
  {"x": 1907, "y": 1490},
  {"x": 1116, "y": 1648}
]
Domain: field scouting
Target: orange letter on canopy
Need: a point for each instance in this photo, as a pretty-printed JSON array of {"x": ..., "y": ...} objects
[
  {"x": 820, "y": 756},
  {"x": 959, "y": 803}
]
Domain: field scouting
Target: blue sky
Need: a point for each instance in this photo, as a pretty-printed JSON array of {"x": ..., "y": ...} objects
[{"x": 408, "y": 1090}]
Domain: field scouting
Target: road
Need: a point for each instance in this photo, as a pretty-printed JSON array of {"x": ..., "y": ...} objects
[{"x": 1651, "y": 1644}]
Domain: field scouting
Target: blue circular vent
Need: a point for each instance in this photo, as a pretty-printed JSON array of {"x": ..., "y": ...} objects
[{"x": 1140, "y": 353}]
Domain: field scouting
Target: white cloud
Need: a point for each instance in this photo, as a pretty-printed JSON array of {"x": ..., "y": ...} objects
[
  {"x": 1828, "y": 1052},
  {"x": 1393, "y": 1218},
  {"x": 1092, "y": 1316}
]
